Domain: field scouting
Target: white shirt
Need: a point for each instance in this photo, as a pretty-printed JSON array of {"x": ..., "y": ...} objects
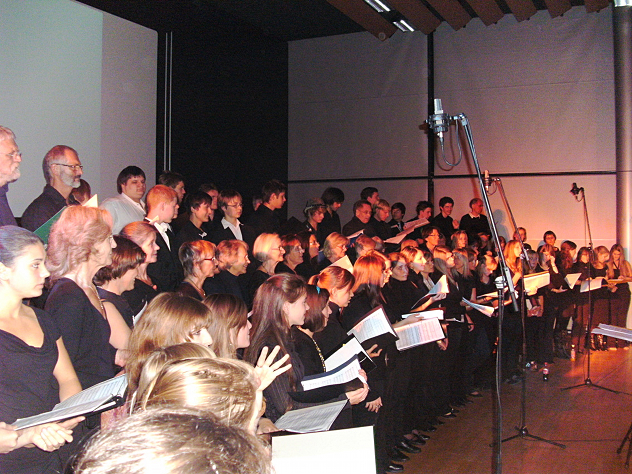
[
  {"x": 236, "y": 229},
  {"x": 123, "y": 210}
]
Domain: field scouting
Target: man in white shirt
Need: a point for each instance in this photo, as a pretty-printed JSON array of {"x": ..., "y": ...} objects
[
  {"x": 128, "y": 206},
  {"x": 231, "y": 204}
]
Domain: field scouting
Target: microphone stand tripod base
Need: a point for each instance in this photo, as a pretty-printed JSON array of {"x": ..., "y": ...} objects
[{"x": 523, "y": 433}]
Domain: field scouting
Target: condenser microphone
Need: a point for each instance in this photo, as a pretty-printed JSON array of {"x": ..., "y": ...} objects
[
  {"x": 575, "y": 190},
  {"x": 487, "y": 181},
  {"x": 439, "y": 121}
]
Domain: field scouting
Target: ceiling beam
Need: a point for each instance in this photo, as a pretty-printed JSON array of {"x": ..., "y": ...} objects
[
  {"x": 452, "y": 11},
  {"x": 488, "y": 12},
  {"x": 420, "y": 17},
  {"x": 366, "y": 17},
  {"x": 557, "y": 7},
  {"x": 521, "y": 9},
  {"x": 596, "y": 5}
]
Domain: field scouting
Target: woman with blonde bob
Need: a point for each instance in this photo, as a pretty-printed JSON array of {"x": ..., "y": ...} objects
[
  {"x": 334, "y": 248},
  {"x": 198, "y": 262},
  {"x": 80, "y": 243},
  {"x": 229, "y": 324},
  {"x": 269, "y": 251},
  {"x": 169, "y": 319}
]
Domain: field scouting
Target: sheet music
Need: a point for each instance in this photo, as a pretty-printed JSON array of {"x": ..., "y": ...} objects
[
  {"x": 595, "y": 284},
  {"x": 342, "y": 355},
  {"x": 614, "y": 331},
  {"x": 340, "y": 375},
  {"x": 312, "y": 419},
  {"x": 534, "y": 281},
  {"x": 416, "y": 223},
  {"x": 140, "y": 313},
  {"x": 356, "y": 235},
  {"x": 399, "y": 237},
  {"x": 418, "y": 333},
  {"x": 432, "y": 313},
  {"x": 572, "y": 278},
  {"x": 343, "y": 262},
  {"x": 486, "y": 310},
  {"x": 87, "y": 401},
  {"x": 372, "y": 326}
]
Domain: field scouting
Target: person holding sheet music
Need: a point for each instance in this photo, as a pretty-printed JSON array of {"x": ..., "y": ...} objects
[
  {"x": 600, "y": 297},
  {"x": 279, "y": 304},
  {"x": 584, "y": 268},
  {"x": 36, "y": 370},
  {"x": 512, "y": 323},
  {"x": 619, "y": 269}
]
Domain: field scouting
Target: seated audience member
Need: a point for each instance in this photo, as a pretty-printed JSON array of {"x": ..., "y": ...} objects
[
  {"x": 232, "y": 261},
  {"x": 334, "y": 249},
  {"x": 144, "y": 235},
  {"x": 269, "y": 252},
  {"x": 292, "y": 256},
  {"x": 447, "y": 226},
  {"x": 424, "y": 211},
  {"x": 199, "y": 207},
  {"x": 315, "y": 213},
  {"x": 229, "y": 324},
  {"x": 475, "y": 222},
  {"x": 381, "y": 211},
  {"x": 264, "y": 219},
  {"x": 230, "y": 228},
  {"x": 162, "y": 207},
  {"x": 370, "y": 194},
  {"x": 36, "y": 369},
  {"x": 116, "y": 278},
  {"x": 62, "y": 171},
  {"x": 82, "y": 193},
  {"x": 81, "y": 243},
  {"x": 9, "y": 172},
  {"x": 128, "y": 206},
  {"x": 360, "y": 220},
  {"x": 398, "y": 210},
  {"x": 199, "y": 263},
  {"x": 310, "y": 246},
  {"x": 333, "y": 199},
  {"x": 169, "y": 319},
  {"x": 178, "y": 440}
]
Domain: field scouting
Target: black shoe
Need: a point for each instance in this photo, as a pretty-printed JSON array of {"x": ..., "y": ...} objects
[
  {"x": 415, "y": 441},
  {"x": 406, "y": 447},
  {"x": 428, "y": 429},
  {"x": 459, "y": 403},
  {"x": 392, "y": 467},
  {"x": 448, "y": 415},
  {"x": 437, "y": 421},
  {"x": 396, "y": 455},
  {"x": 422, "y": 436}
]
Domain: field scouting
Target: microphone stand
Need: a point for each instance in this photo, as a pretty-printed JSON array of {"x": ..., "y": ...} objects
[
  {"x": 439, "y": 122},
  {"x": 587, "y": 381},
  {"x": 523, "y": 431}
]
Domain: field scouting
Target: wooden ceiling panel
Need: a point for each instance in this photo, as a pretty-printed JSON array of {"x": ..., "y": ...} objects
[
  {"x": 488, "y": 12},
  {"x": 452, "y": 12},
  {"x": 521, "y": 9},
  {"x": 417, "y": 13},
  {"x": 557, "y": 7},
  {"x": 366, "y": 17}
]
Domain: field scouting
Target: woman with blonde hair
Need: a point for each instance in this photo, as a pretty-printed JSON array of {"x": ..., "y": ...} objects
[
  {"x": 619, "y": 269},
  {"x": 269, "y": 251},
  {"x": 169, "y": 319},
  {"x": 600, "y": 297},
  {"x": 229, "y": 324},
  {"x": 334, "y": 248},
  {"x": 81, "y": 243},
  {"x": 199, "y": 263},
  {"x": 143, "y": 235},
  {"x": 459, "y": 240}
]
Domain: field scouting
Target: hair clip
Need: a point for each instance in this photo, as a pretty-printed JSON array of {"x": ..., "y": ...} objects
[
  {"x": 213, "y": 466},
  {"x": 318, "y": 289}
]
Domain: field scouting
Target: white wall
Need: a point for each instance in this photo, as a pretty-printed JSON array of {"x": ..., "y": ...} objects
[
  {"x": 539, "y": 95},
  {"x": 76, "y": 76}
]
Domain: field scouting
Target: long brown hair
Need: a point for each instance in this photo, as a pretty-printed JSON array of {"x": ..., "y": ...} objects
[{"x": 228, "y": 313}]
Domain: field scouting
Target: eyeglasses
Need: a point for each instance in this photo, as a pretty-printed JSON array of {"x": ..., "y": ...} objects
[
  {"x": 72, "y": 167},
  {"x": 212, "y": 259},
  {"x": 14, "y": 155}
]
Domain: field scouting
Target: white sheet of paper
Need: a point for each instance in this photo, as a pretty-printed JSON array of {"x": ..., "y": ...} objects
[
  {"x": 335, "y": 377},
  {"x": 486, "y": 310},
  {"x": 342, "y": 355},
  {"x": 595, "y": 284},
  {"x": 311, "y": 419},
  {"x": 617, "y": 332},
  {"x": 418, "y": 333},
  {"x": 430, "y": 314},
  {"x": 343, "y": 262},
  {"x": 372, "y": 326},
  {"x": 572, "y": 278},
  {"x": 416, "y": 223},
  {"x": 399, "y": 237},
  {"x": 340, "y": 451}
]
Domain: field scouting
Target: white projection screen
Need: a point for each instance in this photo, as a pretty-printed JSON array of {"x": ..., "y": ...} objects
[
  {"x": 539, "y": 95},
  {"x": 73, "y": 75}
]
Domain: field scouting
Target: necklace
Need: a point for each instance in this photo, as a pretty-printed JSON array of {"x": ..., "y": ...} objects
[
  {"x": 96, "y": 293},
  {"x": 320, "y": 354}
]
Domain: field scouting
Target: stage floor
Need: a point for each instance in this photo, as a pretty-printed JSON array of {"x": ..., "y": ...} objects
[{"x": 589, "y": 421}]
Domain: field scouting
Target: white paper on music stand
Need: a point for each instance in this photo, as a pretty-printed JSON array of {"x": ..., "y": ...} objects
[
  {"x": 418, "y": 333},
  {"x": 372, "y": 326},
  {"x": 572, "y": 278},
  {"x": 613, "y": 331},
  {"x": 340, "y": 451},
  {"x": 342, "y": 355},
  {"x": 416, "y": 223},
  {"x": 595, "y": 284},
  {"x": 343, "y": 262},
  {"x": 430, "y": 314},
  {"x": 92, "y": 399},
  {"x": 311, "y": 419},
  {"x": 341, "y": 374},
  {"x": 486, "y": 310}
]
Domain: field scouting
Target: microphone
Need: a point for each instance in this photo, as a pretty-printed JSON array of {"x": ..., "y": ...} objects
[
  {"x": 575, "y": 190},
  {"x": 439, "y": 121},
  {"x": 487, "y": 181}
]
